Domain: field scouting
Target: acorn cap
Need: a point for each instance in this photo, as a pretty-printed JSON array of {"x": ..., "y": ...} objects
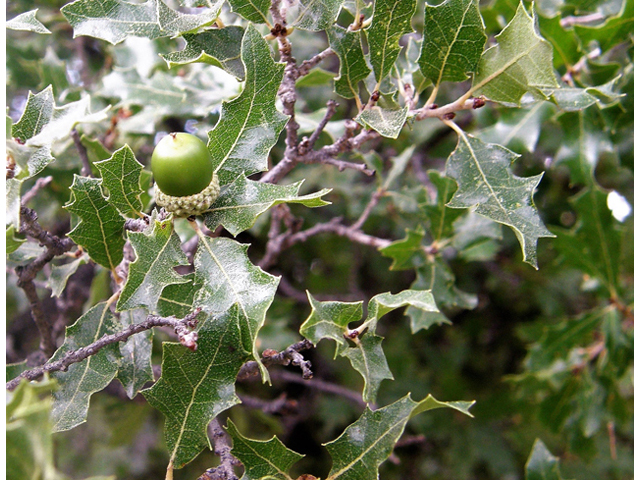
[{"x": 195, "y": 204}]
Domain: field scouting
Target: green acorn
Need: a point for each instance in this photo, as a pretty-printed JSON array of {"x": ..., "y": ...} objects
[{"x": 183, "y": 171}]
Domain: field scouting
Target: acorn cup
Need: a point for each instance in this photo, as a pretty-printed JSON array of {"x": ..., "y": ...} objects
[{"x": 183, "y": 171}]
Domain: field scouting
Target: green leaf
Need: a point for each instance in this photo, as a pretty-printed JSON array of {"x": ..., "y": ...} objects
[
  {"x": 594, "y": 243},
  {"x": 391, "y": 20},
  {"x": 12, "y": 242},
  {"x": 387, "y": 122},
  {"x": 177, "y": 299},
  {"x": 262, "y": 458},
  {"x": 317, "y": 77},
  {"x": 158, "y": 252},
  {"x": 584, "y": 142},
  {"x": 519, "y": 129},
  {"x": 12, "y": 204},
  {"x": 368, "y": 359},
  {"x": 115, "y": 20},
  {"x": 29, "y": 450},
  {"x": 330, "y": 320},
  {"x": 316, "y": 15},
  {"x": 383, "y": 303},
  {"x": 407, "y": 253},
  {"x": 43, "y": 123},
  {"x": 614, "y": 31},
  {"x": 441, "y": 218},
  {"x": 121, "y": 177},
  {"x": 453, "y": 41},
  {"x": 249, "y": 125},
  {"x": 27, "y": 21},
  {"x": 219, "y": 47},
  {"x": 353, "y": 67},
  {"x": 541, "y": 464},
  {"x": 364, "y": 351},
  {"x": 437, "y": 277},
  {"x": 101, "y": 228},
  {"x": 244, "y": 200},
  {"x": 474, "y": 236},
  {"x": 520, "y": 62},
  {"x": 83, "y": 379},
  {"x": 566, "y": 46},
  {"x": 255, "y": 11},
  {"x": 365, "y": 444},
  {"x": 229, "y": 278},
  {"x": 196, "y": 386},
  {"x": 61, "y": 273},
  {"x": 486, "y": 183},
  {"x": 135, "y": 366}
]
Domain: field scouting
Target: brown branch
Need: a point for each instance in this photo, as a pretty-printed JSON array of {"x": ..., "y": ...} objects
[
  {"x": 82, "y": 151},
  {"x": 33, "y": 192},
  {"x": 446, "y": 112},
  {"x": 221, "y": 447},
  {"x": 322, "y": 385},
  {"x": 307, "y": 65},
  {"x": 290, "y": 355},
  {"x": 308, "y": 143},
  {"x": 286, "y": 240},
  {"x": 183, "y": 327},
  {"x": 581, "y": 20},
  {"x": 27, "y": 273},
  {"x": 276, "y": 405}
]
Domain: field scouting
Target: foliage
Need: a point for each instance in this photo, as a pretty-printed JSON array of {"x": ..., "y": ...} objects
[{"x": 366, "y": 152}]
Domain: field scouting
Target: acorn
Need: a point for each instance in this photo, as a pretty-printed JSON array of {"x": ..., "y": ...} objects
[{"x": 183, "y": 171}]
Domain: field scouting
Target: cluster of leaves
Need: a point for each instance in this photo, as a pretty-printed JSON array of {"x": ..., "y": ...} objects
[{"x": 524, "y": 73}]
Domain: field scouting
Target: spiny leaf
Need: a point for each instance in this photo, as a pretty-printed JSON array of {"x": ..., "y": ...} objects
[
  {"x": 387, "y": 122},
  {"x": 364, "y": 351},
  {"x": 407, "y": 253},
  {"x": 347, "y": 45},
  {"x": 135, "y": 366},
  {"x": 115, "y": 20},
  {"x": 43, "y": 123},
  {"x": 519, "y": 128},
  {"x": 437, "y": 277},
  {"x": 440, "y": 217},
  {"x": 316, "y": 15},
  {"x": 229, "y": 278},
  {"x": 584, "y": 142},
  {"x": 368, "y": 442},
  {"x": 177, "y": 299},
  {"x": 101, "y": 228},
  {"x": 541, "y": 465},
  {"x": 196, "y": 386},
  {"x": 262, "y": 458},
  {"x": 391, "y": 20},
  {"x": 486, "y": 183},
  {"x": 83, "y": 379},
  {"x": 27, "y": 21},
  {"x": 12, "y": 242},
  {"x": 330, "y": 320},
  {"x": 368, "y": 359},
  {"x": 121, "y": 177},
  {"x": 219, "y": 47},
  {"x": 453, "y": 41},
  {"x": 158, "y": 252},
  {"x": 255, "y": 11},
  {"x": 29, "y": 449},
  {"x": 244, "y": 200},
  {"x": 614, "y": 31},
  {"x": 61, "y": 273},
  {"x": 249, "y": 125},
  {"x": 520, "y": 62}
]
